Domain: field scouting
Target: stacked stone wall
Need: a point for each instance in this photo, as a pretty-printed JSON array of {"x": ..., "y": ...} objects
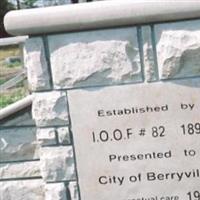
[{"x": 67, "y": 61}]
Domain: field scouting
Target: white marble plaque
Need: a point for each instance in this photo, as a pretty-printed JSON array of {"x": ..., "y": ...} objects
[{"x": 138, "y": 142}]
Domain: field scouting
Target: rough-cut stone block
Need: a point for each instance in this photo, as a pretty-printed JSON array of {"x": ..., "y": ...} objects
[
  {"x": 55, "y": 191},
  {"x": 57, "y": 163},
  {"x": 22, "y": 190},
  {"x": 18, "y": 144},
  {"x": 20, "y": 170},
  {"x": 46, "y": 136},
  {"x": 148, "y": 55},
  {"x": 95, "y": 58},
  {"x": 63, "y": 135},
  {"x": 35, "y": 61},
  {"x": 73, "y": 188},
  {"x": 50, "y": 108},
  {"x": 178, "y": 49}
]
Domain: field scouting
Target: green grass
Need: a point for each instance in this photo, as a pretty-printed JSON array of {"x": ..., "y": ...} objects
[
  {"x": 8, "y": 51},
  {"x": 14, "y": 64},
  {"x": 7, "y": 72},
  {"x": 2, "y": 81},
  {"x": 11, "y": 97}
]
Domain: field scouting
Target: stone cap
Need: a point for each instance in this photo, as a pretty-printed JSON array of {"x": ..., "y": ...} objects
[{"x": 96, "y": 15}]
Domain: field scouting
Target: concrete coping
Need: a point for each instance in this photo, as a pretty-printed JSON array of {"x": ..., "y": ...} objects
[
  {"x": 15, "y": 107},
  {"x": 96, "y": 15},
  {"x": 12, "y": 41}
]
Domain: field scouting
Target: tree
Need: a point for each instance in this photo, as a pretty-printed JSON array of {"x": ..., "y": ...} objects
[
  {"x": 29, "y": 3},
  {"x": 55, "y": 2},
  {"x": 18, "y": 4},
  {"x": 5, "y": 6}
]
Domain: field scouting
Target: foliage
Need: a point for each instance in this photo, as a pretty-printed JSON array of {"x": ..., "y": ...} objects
[
  {"x": 15, "y": 95},
  {"x": 2, "y": 81},
  {"x": 14, "y": 64},
  {"x": 29, "y": 3},
  {"x": 56, "y": 2}
]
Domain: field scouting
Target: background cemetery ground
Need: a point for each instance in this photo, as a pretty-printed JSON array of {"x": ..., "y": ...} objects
[{"x": 8, "y": 70}]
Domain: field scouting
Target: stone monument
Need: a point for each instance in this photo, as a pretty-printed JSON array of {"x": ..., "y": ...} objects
[{"x": 116, "y": 89}]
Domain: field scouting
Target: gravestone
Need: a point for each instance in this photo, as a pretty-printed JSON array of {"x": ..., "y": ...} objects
[{"x": 116, "y": 98}]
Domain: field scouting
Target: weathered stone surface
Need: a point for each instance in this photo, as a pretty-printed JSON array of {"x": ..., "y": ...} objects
[
  {"x": 20, "y": 170},
  {"x": 18, "y": 144},
  {"x": 179, "y": 54},
  {"x": 63, "y": 135},
  {"x": 55, "y": 191},
  {"x": 95, "y": 58},
  {"x": 99, "y": 62},
  {"x": 50, "y": 108},
  {"x": 100, "y": 147},
  {"x": 73, "y": 188},
  {"x": 57, "y": 163},
  {"x": 178, "y": 49},
  {"x": 35, "y": 61},
  {"x": 21, "y": 118},
  {"x": 46, "y": 136},
  {"x": 148, "y": 55},
  {"x": 22, "y": 190}
]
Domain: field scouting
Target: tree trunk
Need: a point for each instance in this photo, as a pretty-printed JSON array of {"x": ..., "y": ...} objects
[{"x": 18, "y": 4}]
